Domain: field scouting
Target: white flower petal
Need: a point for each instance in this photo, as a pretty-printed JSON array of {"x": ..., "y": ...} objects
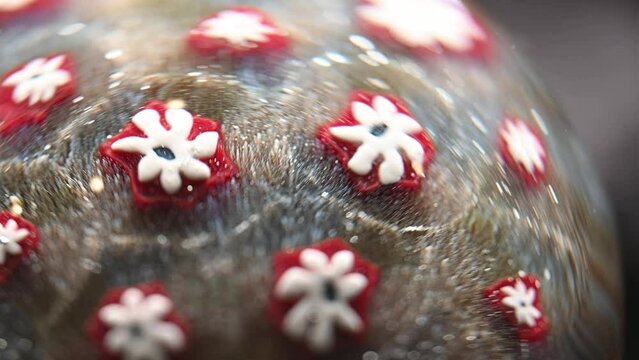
[
  {"x": 171, "y": 180},
  {"x": 13, "y": 248},
  {"x": 169, "y": 335},
  {"x": 195, "y": 169},
  {"x": 21, "y": 92},
  {"x": 148, "y": 120},
  {"x": 351, "y": 285},
  {"x": 530, "y": 295},
  {"x": 348, "y": 319},
  {"x": 116, "y": 340},
  {"x": 156, "y": 306},
  {"x": 11, "y": 225},
  {"x": 20, "y": 234},
  {"x": 417, "y": 39},
  {"x": 58, "y": 78},
  {"x": 362, "y": 161},
  {"x": 314, "y": 259},
  {"x": 132, "y": 144},
  {"x": 384, "y": 107},
  {"x": 365, "y": 115},
  {"x": 143, "y": 349},
  {"x": 391, "y": 169},
  {"x": 16, "y": 78},
  {"x": 149, "y": 167},
  {"x": 181, "y": 122},
  {"x": 3, "y": 256},
  {"x": 534, "y": 312},
  {"x": 520, "y": 287},
  {"x": 204, "y": 145},
  {"x": 47, "y": 93},
  {"x": 404, "y": 123},
  {"x": 36, "y": 94},
  {"x": 342, "y": 262},
  {"x": 458, "y": 43},
  {"x": 373, "y": 14},
  {"x": 412, "y": 148},
  {"x": 34, "y": 66},
  {"x": 294, "y": 282},
  {"x": 529, "y": 320},
  {"x": 352, "y": 134},
  {"x": 511, "y": 302},
  {"x": 321, "y": 335},
  {"x": 509, "y": 290},
  {"x": 114, "y": 314},
  {"x": 53, "y": 64},
  {"x": 132, "y": 297},
  {"x": 258, "y": 37},
  {"x": 297, "y": 319}
]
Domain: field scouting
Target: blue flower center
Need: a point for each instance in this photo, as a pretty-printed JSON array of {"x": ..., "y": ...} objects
[
  {"x": 330, "y": 291},
  {"x": 164, "y": 152},
  {"x": 378, "y": 130}
]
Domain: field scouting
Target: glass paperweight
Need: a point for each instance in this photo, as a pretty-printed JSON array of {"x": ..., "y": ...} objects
[{"x": 375, "y": 179}]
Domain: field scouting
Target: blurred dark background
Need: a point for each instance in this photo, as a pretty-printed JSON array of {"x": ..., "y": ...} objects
[{"x": 587, "y": 52}]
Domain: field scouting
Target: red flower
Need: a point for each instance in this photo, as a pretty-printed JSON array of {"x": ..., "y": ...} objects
[
  {"x": 319, "y": 289},
  {"x": 428, "y": 27},
  {"x": 523, "y": 150},
  {"x": 10, "y": 9},
  {"x": 171, "y": 156},
  {"x": 237, "y": 31},
  {"x": 378, "y": 141},
  {"x": 138, "y": 322},
  {"x": 519, "y": 300},
  {"x": 18, "y": 238},
  {"x": 30, "y": 91}
]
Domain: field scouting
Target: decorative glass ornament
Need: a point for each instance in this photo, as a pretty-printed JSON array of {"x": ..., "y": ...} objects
[{"x": 185, "y": 162}]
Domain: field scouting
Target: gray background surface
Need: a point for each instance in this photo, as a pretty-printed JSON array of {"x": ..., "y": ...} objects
[{"x": 587, "y": 52}]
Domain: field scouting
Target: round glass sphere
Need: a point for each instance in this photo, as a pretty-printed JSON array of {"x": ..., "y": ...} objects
[{"x": 375, "y": 179}]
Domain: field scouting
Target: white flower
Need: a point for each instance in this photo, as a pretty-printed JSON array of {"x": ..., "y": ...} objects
[
  {"x": 12, "y": 5},
  {"x": 237, "y": 27},
  {"x": 522, "y": 144},
  {"x": 10, "y": 236},
  {"x": 521, "y": 299},
  {"x": 169, "y": 153},
  {"x": 384, "y": 131},
  {"x": 424, "y": 23},
  {"x": 137, "y": 331},
  {"x": 38, "y": 80},
  {"x": 325, "y": 287}
]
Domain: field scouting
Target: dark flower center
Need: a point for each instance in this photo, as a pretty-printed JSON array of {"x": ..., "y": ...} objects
[
  {"x": 36, "y": 77},
  {"x": 330, "y": 292},
  {"x": 378, "y": 130},
  {"x": 136, "y": 330},
  {"x": 164, "y": 152}
]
